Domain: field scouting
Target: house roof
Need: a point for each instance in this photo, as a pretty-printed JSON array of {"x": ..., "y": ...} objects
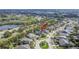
[
  {"x": 26, "y": 39},
  {"x": 32, "y": 35},
  {"x": 63, "y": 42},
  {"x": 22, "y": 47}
]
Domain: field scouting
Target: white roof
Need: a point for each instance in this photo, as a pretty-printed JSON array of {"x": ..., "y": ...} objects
[
  {"x": 26, "y": 39},
  {"x": 31, "y": 35}
]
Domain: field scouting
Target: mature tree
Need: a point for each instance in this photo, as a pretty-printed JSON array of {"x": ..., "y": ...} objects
[
  {"x": 7, "y": 34},
  {"x": 32, "y": 44}
]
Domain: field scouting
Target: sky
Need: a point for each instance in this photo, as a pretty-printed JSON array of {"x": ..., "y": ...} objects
[{"x": 39, "y": 4}]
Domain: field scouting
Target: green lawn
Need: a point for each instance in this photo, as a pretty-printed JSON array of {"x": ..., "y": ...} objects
[{"x": 44, "y": 45}]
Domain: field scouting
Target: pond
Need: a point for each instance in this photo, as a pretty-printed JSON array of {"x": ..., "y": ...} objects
[{"x": 7, "y": 27}]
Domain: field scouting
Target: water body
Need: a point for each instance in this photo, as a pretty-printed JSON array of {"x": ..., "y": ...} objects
[
  {"x": 7, "y": 27},
  {"x": 38, "y": 11},
  {"x": 43, "y": 12}
]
